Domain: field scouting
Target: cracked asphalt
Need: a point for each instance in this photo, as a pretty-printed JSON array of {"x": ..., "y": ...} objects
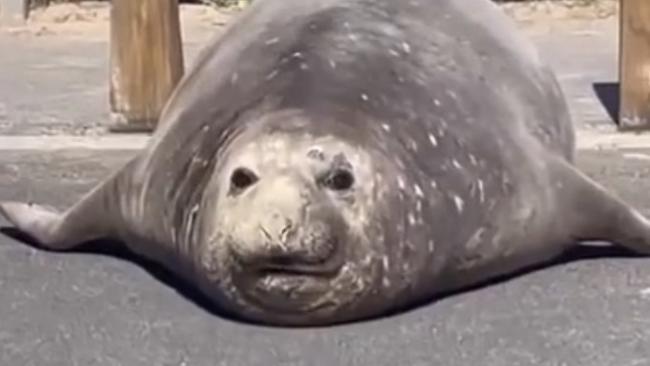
[{"x": 106, "y": 307}]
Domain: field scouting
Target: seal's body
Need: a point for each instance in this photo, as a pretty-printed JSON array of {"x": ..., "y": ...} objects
[{"x": 331, "y": 160}]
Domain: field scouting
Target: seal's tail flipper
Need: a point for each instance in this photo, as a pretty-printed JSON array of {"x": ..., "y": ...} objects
[{"x": 596, "y": 214}]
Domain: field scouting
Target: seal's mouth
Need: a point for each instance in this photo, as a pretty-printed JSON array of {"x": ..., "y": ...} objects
[
  {"x": 282, "y": 261},
  {"x": 289, "y": 284},
  {"x": 289, "y": 291},
  {"x": 287, "y": 267}
]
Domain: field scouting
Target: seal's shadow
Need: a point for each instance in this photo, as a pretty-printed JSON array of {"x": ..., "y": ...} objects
[
  {"x": 575, "y": 254},
  {"x": 117, "y": 250}
]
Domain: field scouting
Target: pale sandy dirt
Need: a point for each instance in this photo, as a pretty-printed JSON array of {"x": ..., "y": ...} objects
[{"x": 90, "y": 19}]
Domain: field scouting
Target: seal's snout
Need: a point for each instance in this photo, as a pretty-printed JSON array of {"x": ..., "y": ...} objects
[
  {"x": 286, "y": 248},
  {"x": 293, "y": 231}
]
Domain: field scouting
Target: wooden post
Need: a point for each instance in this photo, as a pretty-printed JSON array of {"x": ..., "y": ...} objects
[
  {"x": 634, "y": 112},
  {"x": 146, "y": 61},
  {"x": 13, "y": 12}
]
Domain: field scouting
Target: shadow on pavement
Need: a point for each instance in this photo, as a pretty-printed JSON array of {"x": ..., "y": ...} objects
[
  {"x": 117, "y": 250},
  {"x": 608, "y": 94}
]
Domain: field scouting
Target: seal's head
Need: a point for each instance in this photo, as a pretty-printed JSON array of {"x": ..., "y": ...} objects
[{"x": 298, "y": 232}]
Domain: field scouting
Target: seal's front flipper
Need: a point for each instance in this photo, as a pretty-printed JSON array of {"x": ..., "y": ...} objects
[
  {"x": 595, "y": 214},
  {"x": 39, "y": 222},
  {"x": 52, "y": 229},
  {"x": 91, "y": 218}
]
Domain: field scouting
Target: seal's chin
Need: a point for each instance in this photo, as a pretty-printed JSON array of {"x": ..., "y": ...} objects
[{"x": 289, "y": 292}]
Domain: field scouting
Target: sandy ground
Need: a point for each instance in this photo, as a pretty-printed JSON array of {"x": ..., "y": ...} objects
[{"x": 91, "y": 18}]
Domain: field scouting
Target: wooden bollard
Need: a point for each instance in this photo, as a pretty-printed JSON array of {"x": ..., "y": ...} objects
[
  {"x": 634, "y": 111},
  {"x": 146, "y": 61},
  {"x": 13, "y": 12}
]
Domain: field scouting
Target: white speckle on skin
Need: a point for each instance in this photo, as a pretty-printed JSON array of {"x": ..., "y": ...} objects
[
  {"x": 406, "y": 47},
  {"x": 366, "y": 261},
  {"x": 386, "y": 127},
  {"x": 418, "y": 191},
  {"x": 418, "y": 207},
  {"x": 190, "y": 221},
  {"x": 364, "y": 96},
  {"x": 412, "y": 144},
  {"x": 384, "y": 262},
  {"x": 433, "y": 140},
  {"x": 476, "y": 239},
  {"x": 393, "y": 52},
  {"x": 297, "y": 54},
  {"x": 272, "y": 41},
  {"x": 405, "y": 266},
  {"x": 272, "y": 74},
  {"x": 400, "y": 183},
  {"x": 459, "y": 203},
  {"x": 411, "y": 219},
  {"x": 431, "y": 245},
  {"x": 400, "y": 163},
  {"x": 434, "y": 184},
  {"x": 645, "y": 293},
  {"x": 481, "y": 190},
  {"x": 456, "y": 164},
  {"x": 436, "y": 102}
]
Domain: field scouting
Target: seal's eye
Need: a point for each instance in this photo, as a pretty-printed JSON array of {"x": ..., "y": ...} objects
[
  {"x": 242, "y": 178},
  {"x": 340, "y": 180}
]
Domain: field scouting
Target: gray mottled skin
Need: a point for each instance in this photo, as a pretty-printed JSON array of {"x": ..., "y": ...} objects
[{"x": 332, "y": 160}]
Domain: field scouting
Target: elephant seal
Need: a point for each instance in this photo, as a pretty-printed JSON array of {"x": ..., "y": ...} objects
[{"x": 326, "y": 161}]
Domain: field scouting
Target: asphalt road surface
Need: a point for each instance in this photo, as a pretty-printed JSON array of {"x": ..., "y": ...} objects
[{"x": 109, "y": 308}]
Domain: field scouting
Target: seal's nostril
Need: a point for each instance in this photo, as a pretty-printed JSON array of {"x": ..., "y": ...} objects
[
  {"x": 340, "y": 180},
  {"x": 241, "y": 179}
]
